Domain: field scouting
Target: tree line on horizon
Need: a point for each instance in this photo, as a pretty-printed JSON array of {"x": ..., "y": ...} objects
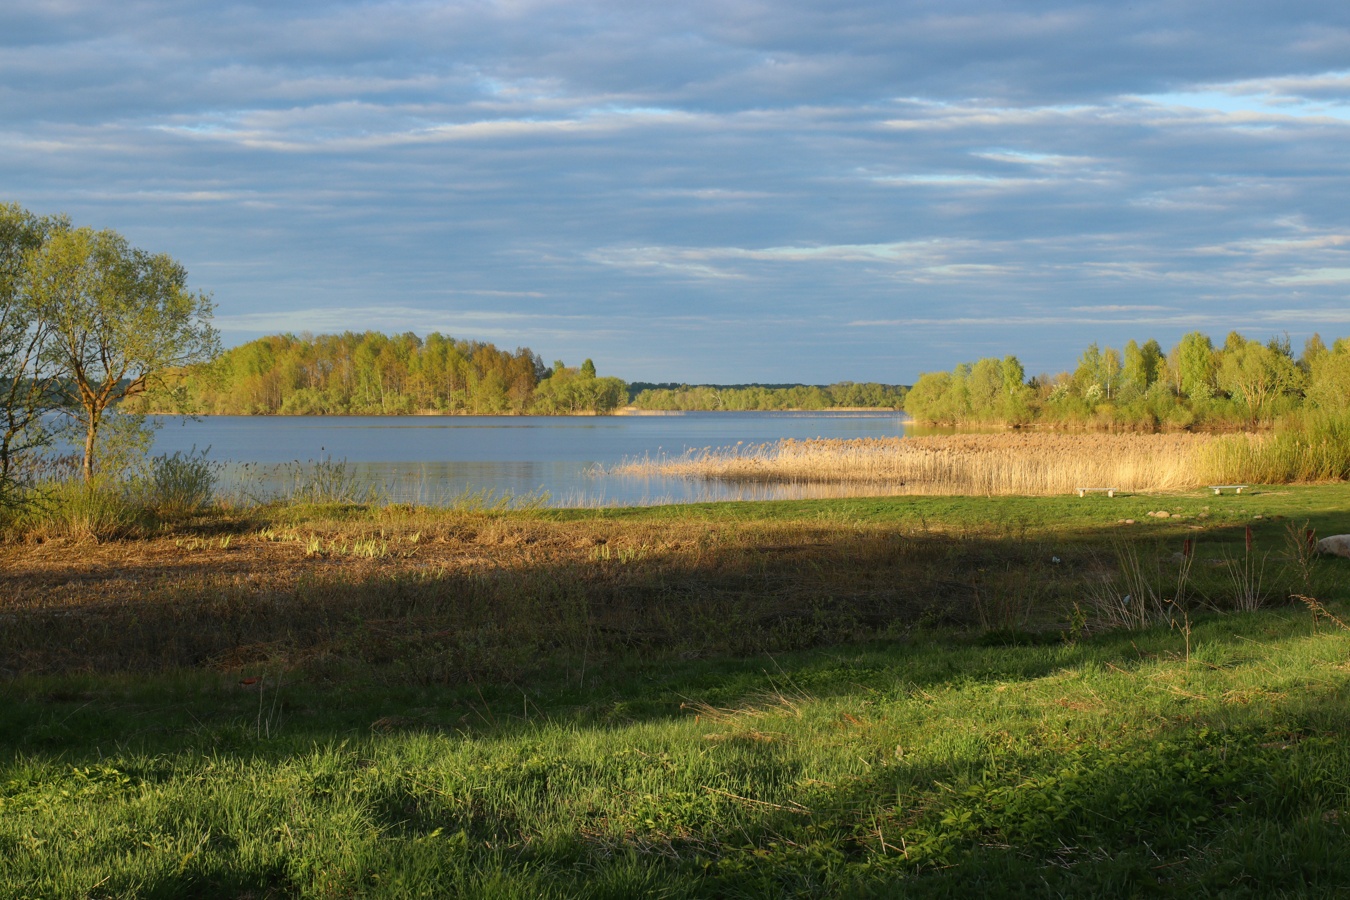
[
  {"x": 370, "y": 373},
  {"x": 1241, "y": 383},
  {"x": 756, "y": 397}
]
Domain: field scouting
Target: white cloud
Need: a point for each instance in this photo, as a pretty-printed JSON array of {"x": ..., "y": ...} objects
[
  {"x": 1144, "y": 166},
  {"x": 1316, "y": 276}
]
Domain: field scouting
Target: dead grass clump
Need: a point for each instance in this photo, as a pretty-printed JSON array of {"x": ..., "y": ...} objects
[{"x": 1022, "y": 463}]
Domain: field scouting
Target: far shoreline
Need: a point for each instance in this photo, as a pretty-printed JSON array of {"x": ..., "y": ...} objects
[{"x": 621, "y": 411}]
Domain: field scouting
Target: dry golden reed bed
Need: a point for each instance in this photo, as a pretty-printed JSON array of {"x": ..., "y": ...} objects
[{"x": 1021, "y": 463}]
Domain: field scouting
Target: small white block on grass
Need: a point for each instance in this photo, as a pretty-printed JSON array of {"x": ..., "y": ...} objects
[{"x": 1336, "y": 545}]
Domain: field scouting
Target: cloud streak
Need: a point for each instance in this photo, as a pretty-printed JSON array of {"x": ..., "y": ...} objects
[{"x": 791, "y": 191}]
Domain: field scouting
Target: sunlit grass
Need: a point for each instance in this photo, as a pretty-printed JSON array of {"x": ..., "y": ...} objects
[
  {"x": 1018, "y": 463},
  {"x": 985, "y": 464},
  {"x": 1103, "y": 767}
]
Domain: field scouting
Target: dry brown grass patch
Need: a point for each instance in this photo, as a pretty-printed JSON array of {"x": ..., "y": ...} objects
[{"x": 1023, "y": 463}]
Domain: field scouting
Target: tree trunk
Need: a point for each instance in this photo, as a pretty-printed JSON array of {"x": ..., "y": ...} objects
[{"x": 91, "y": 432}]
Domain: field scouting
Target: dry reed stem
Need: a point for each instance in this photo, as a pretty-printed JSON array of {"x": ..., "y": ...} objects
[{"x": 1022, "y": 463}]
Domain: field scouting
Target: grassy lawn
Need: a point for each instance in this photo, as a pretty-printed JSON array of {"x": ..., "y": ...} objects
[{"x": 905, "y": 696}]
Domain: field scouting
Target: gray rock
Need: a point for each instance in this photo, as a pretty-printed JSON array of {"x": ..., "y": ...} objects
[{"x": 1336, "y": 545}]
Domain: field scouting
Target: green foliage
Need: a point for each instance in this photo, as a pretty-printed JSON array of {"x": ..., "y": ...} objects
[
  {"x": 29, "y": 389},
  {"x": 1195, "y": 366},
  {"x": 565, "y": 391},
  {"x": 1329, "y": 381},
  {"x": 846, "y": 394},
  {"x": 987, "y": 391},
  {"x": 121, "y": 320},
  {"x": 1243, "y": 384},
  {"x": 377, "y": 374},
  {"x": 1258, "y": 376}
]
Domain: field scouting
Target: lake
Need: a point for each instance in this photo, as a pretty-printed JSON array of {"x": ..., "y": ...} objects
[{"x": 434, "y": 459}]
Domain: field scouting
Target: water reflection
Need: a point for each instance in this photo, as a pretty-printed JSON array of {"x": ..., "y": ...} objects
[{"x": 443, "y": 460}]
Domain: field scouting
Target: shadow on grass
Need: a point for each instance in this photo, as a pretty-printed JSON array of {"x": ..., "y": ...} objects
[
  {"x": 564, "y": 791},
  {"x": 578, "y": 597}
]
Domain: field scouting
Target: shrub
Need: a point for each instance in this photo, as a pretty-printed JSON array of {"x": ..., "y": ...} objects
[{"x": 177, "y": 484}]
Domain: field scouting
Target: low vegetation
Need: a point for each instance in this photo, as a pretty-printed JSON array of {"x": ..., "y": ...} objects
[
  {"x": 1024, "y": 462},
  {"x": 981, "y": 464},
  {"x": 852, "y": 697}
]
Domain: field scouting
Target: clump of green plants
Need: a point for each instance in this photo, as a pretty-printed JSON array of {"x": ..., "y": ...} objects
[
  {"x": 326, "y": 481},
  {"x": 176, "y": 484},
  {"x": 101, "y": 510}
]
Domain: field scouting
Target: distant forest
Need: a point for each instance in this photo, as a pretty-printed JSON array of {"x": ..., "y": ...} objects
[
  {"x": 376, "y": 374},
  {"x": 1197, "y": 384},
  {"x": 370, "y": 373},
  {"x": 844, "y": 395},
  {"x": 1241, "y": 383}
]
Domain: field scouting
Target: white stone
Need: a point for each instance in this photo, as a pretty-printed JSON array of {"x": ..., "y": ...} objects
[{"x": 1336, "y": 545}]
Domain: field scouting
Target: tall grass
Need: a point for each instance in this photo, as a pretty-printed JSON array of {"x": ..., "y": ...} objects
[
  {"x": 53, "y": 500},
  {"x": 1028, "y": 463},
  {"x": 986, "y": 464},
  {"x": 1308, "y": 449},
  {"x": 73, "y": 509},
  {"x": 327, "y": 480},
  {"x": 176, "y": 484}
]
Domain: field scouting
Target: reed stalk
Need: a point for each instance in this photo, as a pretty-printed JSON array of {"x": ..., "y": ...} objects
[{"x": 984, "y": 464}]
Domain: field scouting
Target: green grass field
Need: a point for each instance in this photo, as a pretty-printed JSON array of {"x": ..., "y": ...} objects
[{"x": 1002, "y": 752}]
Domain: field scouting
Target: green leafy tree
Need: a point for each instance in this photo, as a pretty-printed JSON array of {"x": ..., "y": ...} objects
[
  {"x": 122, "y": 322},
  {"x": 1329, "y": 380},
  {"x": 1257, "y": 375},
  {"x": 28, "y": 387},
  {"x": 1195, "y": 366},
  {"x": 985, "y": 388},
  {"x": 1138, "y": 370},
  {"x": 1016, "y": 393},
  {"x": 1313, "y": 348},
  {"x": 926, "y": 400}
]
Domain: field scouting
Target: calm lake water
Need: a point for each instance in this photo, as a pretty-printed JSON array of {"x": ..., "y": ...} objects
[{"x": 434, "y": 459}]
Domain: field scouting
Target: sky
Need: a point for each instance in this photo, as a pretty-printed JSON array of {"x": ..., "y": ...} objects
[{"x": 729, "y": 191}]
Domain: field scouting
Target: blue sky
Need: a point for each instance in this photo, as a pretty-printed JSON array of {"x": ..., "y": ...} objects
[{"x": 709, "y": 191}]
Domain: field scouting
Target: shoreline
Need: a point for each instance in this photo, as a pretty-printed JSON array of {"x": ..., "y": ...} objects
[{"x": 620, "y": 411}]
